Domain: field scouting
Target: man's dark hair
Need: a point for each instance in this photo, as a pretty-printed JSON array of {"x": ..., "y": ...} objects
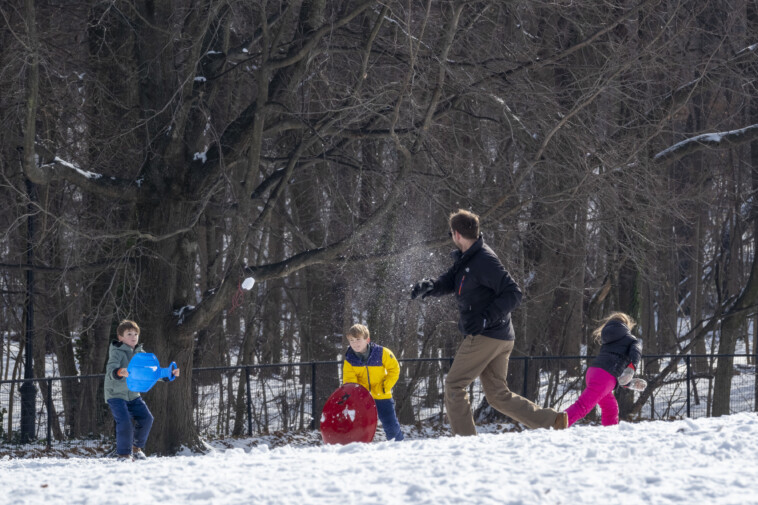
[{"x": 466, "y": 223}]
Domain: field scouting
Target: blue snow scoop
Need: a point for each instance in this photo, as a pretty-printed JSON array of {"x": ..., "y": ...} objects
[{"x": 145, "y": 370}]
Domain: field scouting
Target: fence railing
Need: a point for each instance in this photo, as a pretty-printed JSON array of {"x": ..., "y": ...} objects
[{"x": 251, "y": 400}]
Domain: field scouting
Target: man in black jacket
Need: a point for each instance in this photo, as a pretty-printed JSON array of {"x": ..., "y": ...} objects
[{"x": 486, "y": 296}]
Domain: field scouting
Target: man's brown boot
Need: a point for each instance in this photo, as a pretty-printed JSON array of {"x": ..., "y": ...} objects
[{"x": 561, "y": 421}]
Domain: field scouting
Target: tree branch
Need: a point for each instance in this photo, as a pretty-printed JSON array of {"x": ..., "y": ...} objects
[
  {"x": 109, "y": 187},
  {"x": 719, "y": 140},
  {"x": 316, "y": 36}
]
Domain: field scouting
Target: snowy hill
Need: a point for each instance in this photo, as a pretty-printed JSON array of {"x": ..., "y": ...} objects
[{"x": 707, "y": 460}]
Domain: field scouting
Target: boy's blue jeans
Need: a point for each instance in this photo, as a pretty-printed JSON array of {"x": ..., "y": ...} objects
[
  {"x": 385, "y": 410},
  {"x": 126, "y": 434}
]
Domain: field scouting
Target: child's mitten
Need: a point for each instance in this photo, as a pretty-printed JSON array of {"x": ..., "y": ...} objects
[{"x": 626, "y": 376}]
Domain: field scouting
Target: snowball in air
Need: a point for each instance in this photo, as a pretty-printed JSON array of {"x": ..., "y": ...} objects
[{"x": 248, "y": 284}]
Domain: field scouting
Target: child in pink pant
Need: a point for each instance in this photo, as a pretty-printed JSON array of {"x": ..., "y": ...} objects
[
  {"x": 618, "y": 358},
  {"x": 599, "y": 391}
]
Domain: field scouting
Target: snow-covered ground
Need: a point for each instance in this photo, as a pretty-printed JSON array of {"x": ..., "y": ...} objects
[{"x": 706, "y": 460}]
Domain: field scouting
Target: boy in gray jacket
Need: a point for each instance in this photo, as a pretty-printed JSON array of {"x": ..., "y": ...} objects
[{"x": 124, "y": 404}]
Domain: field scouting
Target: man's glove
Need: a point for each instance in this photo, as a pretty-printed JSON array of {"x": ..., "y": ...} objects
[
  {"x": 422, "y": 288},
  {"x": 475, "y": 325},
  {"x": 626, "y": 376}
]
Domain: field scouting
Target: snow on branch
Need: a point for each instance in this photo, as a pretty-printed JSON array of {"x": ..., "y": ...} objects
[
  {"x": 92, "y": 182},
  {"x": 748, "y": 49},
  {"x": 72, "y": 166},
  {"x": 707, "y": 141}
]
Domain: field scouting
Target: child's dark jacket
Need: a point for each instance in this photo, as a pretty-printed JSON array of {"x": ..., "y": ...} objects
[{"x": 619, "y": 348}]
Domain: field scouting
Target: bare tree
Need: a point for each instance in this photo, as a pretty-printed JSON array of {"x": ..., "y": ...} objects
[{"x": 180, "y": 148}]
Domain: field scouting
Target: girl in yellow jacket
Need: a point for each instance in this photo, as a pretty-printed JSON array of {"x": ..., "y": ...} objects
[{"x": 375, "y": 368}]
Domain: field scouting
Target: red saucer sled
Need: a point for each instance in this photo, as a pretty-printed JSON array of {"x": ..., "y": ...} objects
[{"x": 349, "y": 415}]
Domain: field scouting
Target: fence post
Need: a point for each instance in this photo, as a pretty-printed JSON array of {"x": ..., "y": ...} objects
[
  {"x": 687, "y": 360},
  {"x": 49, "y": 412},
  {"x": 249, "y": 404},
  {"x": 526, "y": 375},
  {"x": 313, "y": 396}
]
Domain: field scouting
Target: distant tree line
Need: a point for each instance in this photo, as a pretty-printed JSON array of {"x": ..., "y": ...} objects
[{"x": 164, "y": 152}]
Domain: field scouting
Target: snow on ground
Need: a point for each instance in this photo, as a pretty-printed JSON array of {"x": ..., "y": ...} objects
[{"x": 706, "y": 460}]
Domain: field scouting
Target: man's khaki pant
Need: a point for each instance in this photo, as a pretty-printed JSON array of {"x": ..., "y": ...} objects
[{"x": 487, "y": 358}]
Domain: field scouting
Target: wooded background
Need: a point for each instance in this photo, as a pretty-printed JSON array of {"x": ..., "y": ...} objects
[{"x": 155, "y": 154}]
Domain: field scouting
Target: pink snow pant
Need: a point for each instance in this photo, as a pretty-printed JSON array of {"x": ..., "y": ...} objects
[{"x": 599, "y": 392}]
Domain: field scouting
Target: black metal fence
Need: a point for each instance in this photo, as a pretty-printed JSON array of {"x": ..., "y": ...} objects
[{"x": 253, "y": 400}]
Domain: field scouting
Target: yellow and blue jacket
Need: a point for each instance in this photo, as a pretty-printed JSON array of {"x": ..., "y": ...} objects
[{"x": 378, "y": 373}]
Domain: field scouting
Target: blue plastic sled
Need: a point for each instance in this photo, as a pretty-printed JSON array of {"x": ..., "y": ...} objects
[{"x": 145, "y": 370}]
